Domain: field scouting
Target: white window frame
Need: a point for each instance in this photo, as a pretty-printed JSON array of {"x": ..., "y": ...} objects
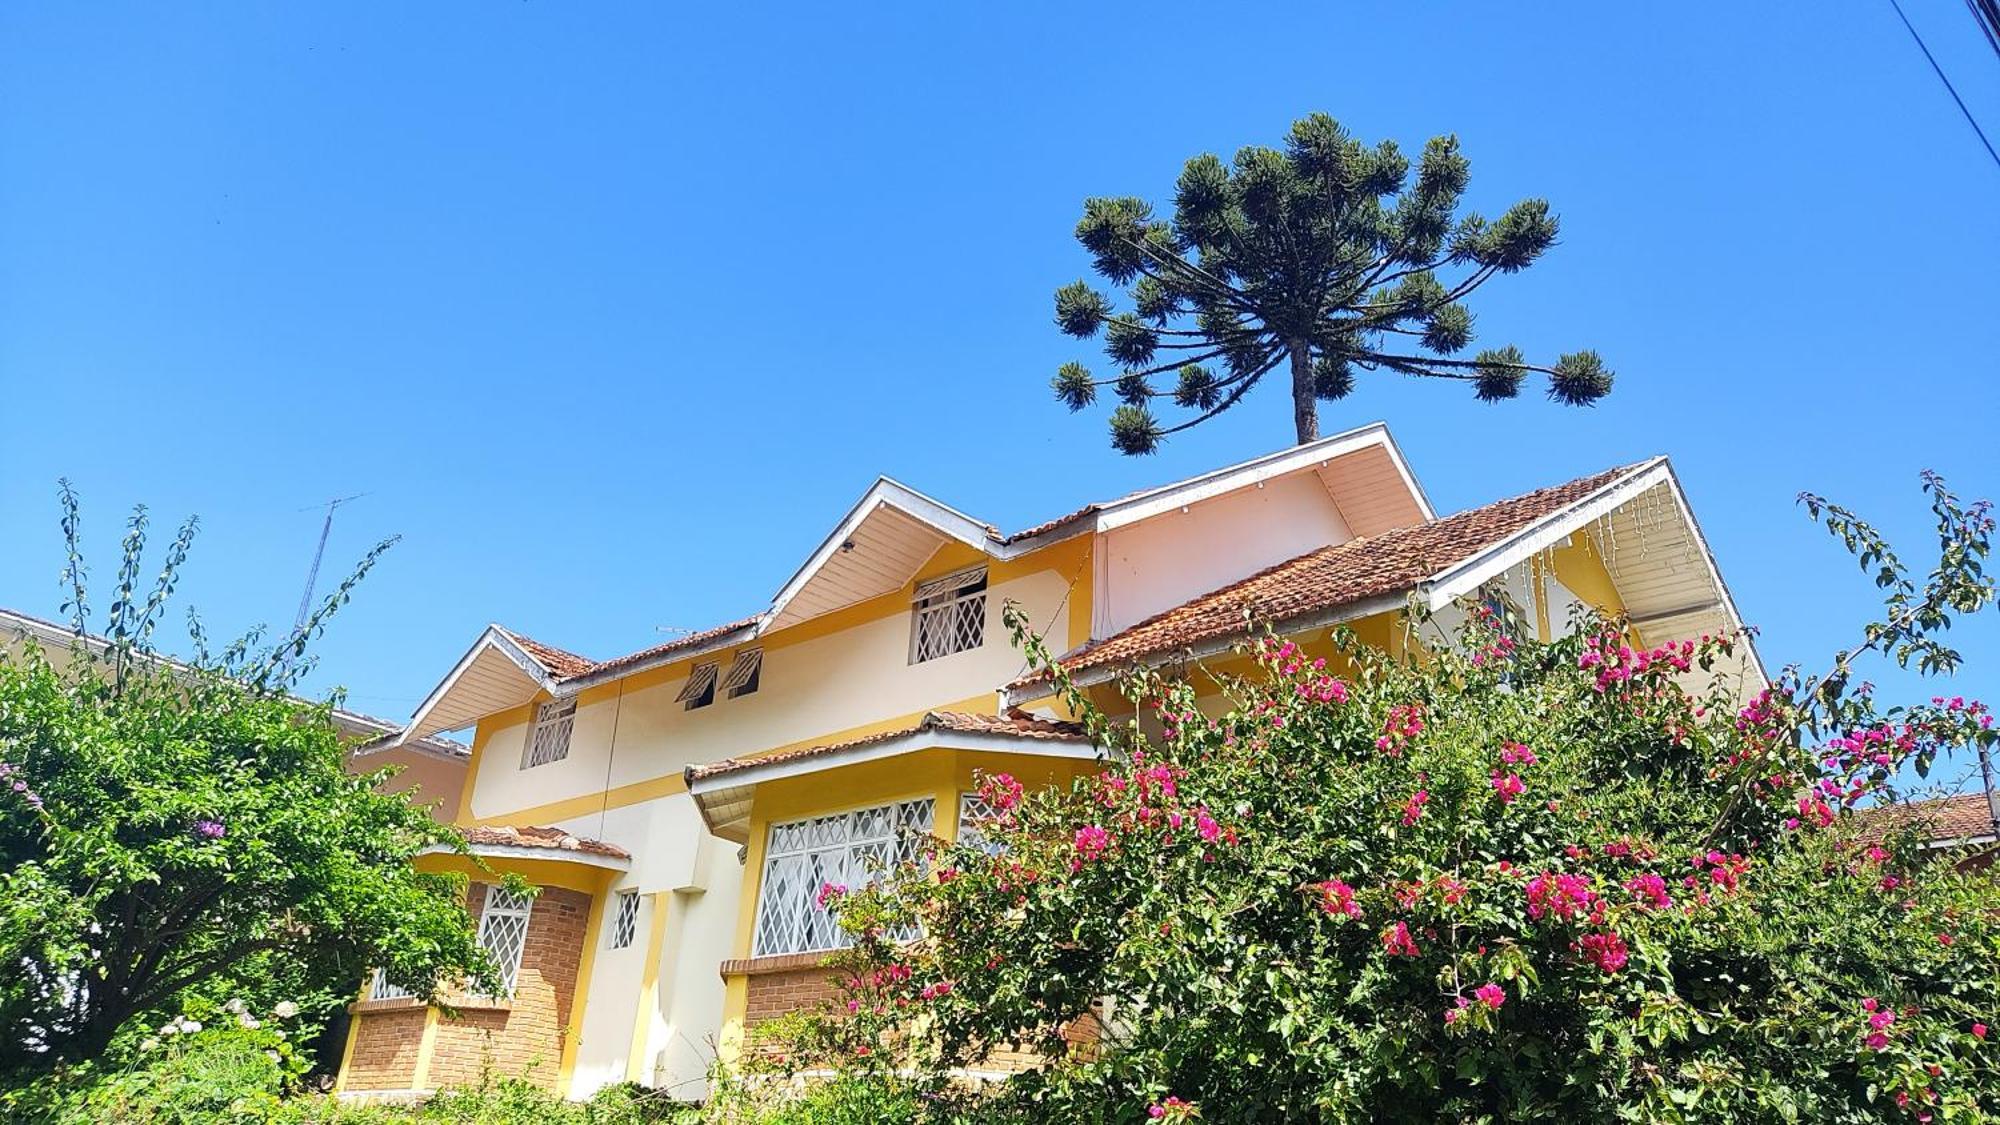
[
  {"x": 625, "y": 924},
  {"x": 849, "y": 849},
  {"x": 501, "y": 909},
  {"x": 379, "y": 988},
  {"x": 973, "y": 809},
  {"x": 556, "y": 720},
  {"x": 948, "y": 616}
]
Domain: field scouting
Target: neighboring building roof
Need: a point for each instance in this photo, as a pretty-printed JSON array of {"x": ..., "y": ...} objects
[
  {"x": 723, "y": 791},
  {"x": 1393, "y": 562},
  {"x": 1964, "y": 819},
  {"x": 374, "y": 733},
  {"x": 1019, "y": 726},
  {"x": 530, "y": 836}
]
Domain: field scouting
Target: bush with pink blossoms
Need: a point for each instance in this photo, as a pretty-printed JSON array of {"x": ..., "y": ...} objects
[{"x": 1655, "y": 935}]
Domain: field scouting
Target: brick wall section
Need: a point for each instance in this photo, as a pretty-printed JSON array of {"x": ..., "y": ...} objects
[
  {"x": 780, "y": 985},
  {"x": 524, "y": 1038},
  {"x": 385, "y": 1050}
]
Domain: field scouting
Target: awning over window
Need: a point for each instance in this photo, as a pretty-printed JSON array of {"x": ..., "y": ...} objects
[
  {"x": 743, "y": 669},
  {"x": 698, "y": 683},
  {"x": 951, "y": 583}
]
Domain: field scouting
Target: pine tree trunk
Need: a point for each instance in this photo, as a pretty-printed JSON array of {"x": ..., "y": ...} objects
[{"x": 1305, "y": 409}]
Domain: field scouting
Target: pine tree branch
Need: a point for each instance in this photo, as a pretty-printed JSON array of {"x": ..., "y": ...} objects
[{"x": 1250, "y": 380}]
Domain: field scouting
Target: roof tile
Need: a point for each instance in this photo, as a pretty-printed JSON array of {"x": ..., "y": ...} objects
[
  {"x": 1327, "y": 578},
  {"x": 1017, "y": 725},
  {"x": 530, "y": 836}
]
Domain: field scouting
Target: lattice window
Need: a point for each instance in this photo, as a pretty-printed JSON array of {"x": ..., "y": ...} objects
[
  {"x": 379, "y": 988},
  {"x": 950, "y": 615},
  {"x": 625, "y": 926},
  {"x": 699, "y": 691},
  {"x": 503, "y": 932},
  {"x": 549, "y": 739},
  {"x": 744, "y": 674},
  {"x": 973, "y": 814},
  {"x": 850, "y": 849}
]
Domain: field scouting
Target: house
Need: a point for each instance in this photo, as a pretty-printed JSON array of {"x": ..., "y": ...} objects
[
  {"x": 1961, "y": 827},
  {"x": 430, "y": 771},
  {"x": 683, "y": 805}
]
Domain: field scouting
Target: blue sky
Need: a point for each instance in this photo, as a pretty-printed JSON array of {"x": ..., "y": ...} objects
[{"x": 612, "y": 314}]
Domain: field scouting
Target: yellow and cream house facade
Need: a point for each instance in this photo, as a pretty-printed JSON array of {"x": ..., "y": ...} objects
[{"x": 682, "y": 806}]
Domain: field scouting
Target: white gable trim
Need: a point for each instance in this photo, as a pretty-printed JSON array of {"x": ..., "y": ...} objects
[
  {"x": 946, "y": 520},
  {"x": 1158, "y": 501},
  {"x": 1446, "y": 586},
  {"x": 494, "y": 638}
]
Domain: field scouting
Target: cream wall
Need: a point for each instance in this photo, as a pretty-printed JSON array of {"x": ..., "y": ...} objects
[
  {"x": 688, "y": 882},
  {"x": 1156, "y": 564},
  {"x": 844, "y": 679}
]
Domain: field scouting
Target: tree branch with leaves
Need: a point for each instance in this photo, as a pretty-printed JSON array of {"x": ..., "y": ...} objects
[{"x": 1311, "y": 259}]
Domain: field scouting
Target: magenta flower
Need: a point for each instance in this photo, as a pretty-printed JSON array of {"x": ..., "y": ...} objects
[
  {"x": 1397, "y": 942},
  {"x": 1508, "y": 787},
  {"x": 209, "y": 829},
  {"x": 1491, "y": 995},
  {"x": 1606, "y": 951},
  {"x": 1336, "y": 897},
  {"x": 1206, "y": 826},
  {"x": 1092, "y": 841}
]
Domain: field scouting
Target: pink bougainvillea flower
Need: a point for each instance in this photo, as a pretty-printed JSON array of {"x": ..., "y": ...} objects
[
  {"x": 1979, "y": 1031},
  {"x": 1650, "y": 890},
  {"x": 1206, "y": 826},
  {"x": 1092, "y": 841},
  {"x": 1414, "y": 807},
  {"x": 1491, "y": 995},
  {"x": 1515, "y": 754},
  {"x": 1606, "y": 951},
  {"x": 1336, "y": 897},
  {"x": 828, "y": 892},
  {"x": 1508, "y": 786},
  {"x": 1396, "y": 940}
]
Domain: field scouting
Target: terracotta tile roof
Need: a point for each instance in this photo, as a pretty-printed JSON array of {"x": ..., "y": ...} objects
[
  {"x": 566, "y": 665},
  {"x": 561, "y": 663},
  {"x": 1330, "y": 577},
  {"x": 1016, "y": 725},
  {"x": 554, "y": 839},
  {"x": 1946, "y": 818},
  {"x": 692, "y": 640},
  {"x": 1051, "y": 525}
]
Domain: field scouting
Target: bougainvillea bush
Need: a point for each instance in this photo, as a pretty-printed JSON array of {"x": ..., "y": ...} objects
[{"x": 1580, "y": 880}]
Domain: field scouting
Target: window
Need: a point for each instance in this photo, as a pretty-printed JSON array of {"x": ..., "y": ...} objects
[
  {"x": 847, "y": 849},
  {"x": 744, "y": 673},
  {"x": 626, "y": 925},
  {"x": 973, "y": 812},
  {"x": 503, "y": 932},
  {"x": 548, "y": 741},
  {"x": 699, "y": 691},
  {"x": 1508, "y": 617},
  {"x": 379, "y": 988},
  {"x": 950, "y": 615}
]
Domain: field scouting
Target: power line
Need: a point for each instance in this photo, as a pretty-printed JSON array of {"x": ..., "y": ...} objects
[{"x": 1953, "y": 90}]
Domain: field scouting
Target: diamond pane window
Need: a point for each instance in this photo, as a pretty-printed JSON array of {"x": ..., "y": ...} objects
[
  {"x": 950, "y": 616},
  {"x": 379, "y": 988},
  {"x": 503, "y": 932},
  {"x": 625, "y": 926},
  {"x": 973, "y": 813},
  {"x": 549, "y": 740},
  {"x": 849, "y": 849}
]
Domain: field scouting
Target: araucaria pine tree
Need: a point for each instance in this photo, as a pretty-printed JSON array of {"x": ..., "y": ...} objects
[{"x": 1324, "y": 259}]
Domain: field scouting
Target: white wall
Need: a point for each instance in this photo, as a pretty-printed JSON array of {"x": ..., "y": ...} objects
[
  {"x": 1156, "y": 564},
  {"x": 836, "y": 682},
  {"x": 673, "y": 858}
]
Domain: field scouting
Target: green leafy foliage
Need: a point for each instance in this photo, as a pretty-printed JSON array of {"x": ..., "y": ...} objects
[
  {"x": 1582, "y": 880},
  {"x": 174, "y": 834},
  {"x": 1325, "y": 256}
]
